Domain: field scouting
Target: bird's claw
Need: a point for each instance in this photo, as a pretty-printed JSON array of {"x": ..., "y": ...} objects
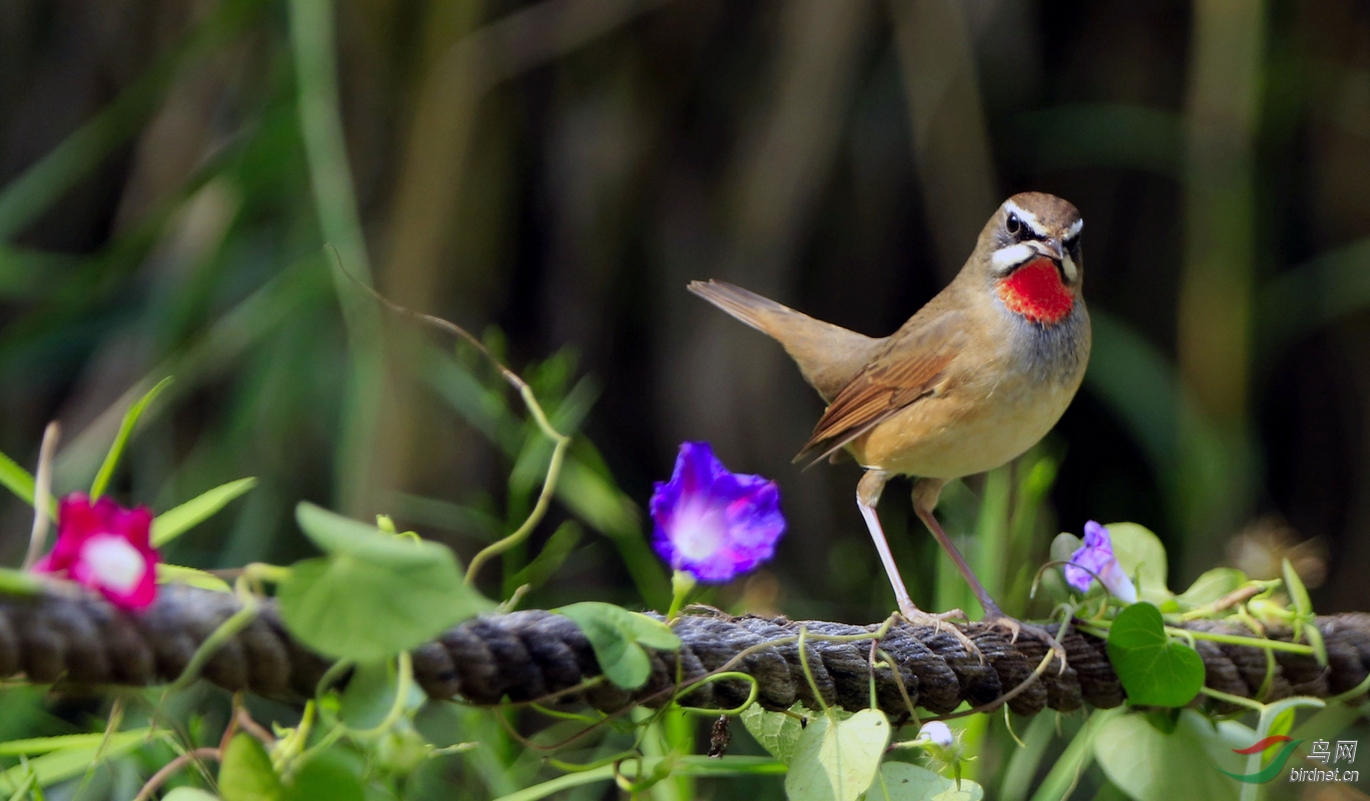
[
  {"x": 1019, "y": 628},
  {"x": 942, "y": 621}
]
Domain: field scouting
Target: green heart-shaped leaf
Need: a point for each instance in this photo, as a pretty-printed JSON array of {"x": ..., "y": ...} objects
[
  {"x": 1180, "y": 764},
  {"x": 837, "y": 760},
  {"x": 617, "y": 636},
  {"x": 778, "y": 732},
  {"x": 374, "y": 594},
  {"x": 1154, "y": 669}
]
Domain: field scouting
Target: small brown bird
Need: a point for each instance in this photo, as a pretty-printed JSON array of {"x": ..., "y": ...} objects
[{"x": 970, "y": 382}]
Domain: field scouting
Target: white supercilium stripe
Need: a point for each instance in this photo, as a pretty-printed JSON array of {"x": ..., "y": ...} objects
[{"x": 1029, "y": 219}]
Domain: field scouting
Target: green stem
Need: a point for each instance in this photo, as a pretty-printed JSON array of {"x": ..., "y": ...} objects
[
  {"x": 737, "y": 710},
  {"x": 1232, "y": 699},
  {"x": 1359, "y": 689},
  {"x": 1100, "y": 628},
  {"x": 1237, "y": 639},
  {"x": 681, "y": 585},
  {"x": 549, "y": 487},
  {"x": 403, "y": 686},
  {"x": 216, "y": 640},
  {"x": 808, "y": 673},
  {"x": 561, "y": 442},
  {"x": 258, "y": 572}
]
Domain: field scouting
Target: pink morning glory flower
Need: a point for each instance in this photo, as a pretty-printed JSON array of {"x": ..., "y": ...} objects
[
  {"x": 711, "y": 523},
  {"x": 1095, "y": 558},
  {"x": 105, "y": 547}
]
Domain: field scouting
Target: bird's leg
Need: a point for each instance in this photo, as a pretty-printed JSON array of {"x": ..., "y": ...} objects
[
  {"x": 867, "y": 496},
  {"x": 925, "y": 494}
]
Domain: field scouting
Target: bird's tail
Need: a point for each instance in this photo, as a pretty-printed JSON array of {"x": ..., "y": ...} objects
[
  {"x": 829, "y": 356},
  {"x": 763, "y": 314}
]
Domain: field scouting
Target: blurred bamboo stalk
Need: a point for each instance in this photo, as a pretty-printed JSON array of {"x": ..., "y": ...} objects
[
  {"x": 436, "y": 176},
  {"x": 951, "y": 146},
  {"x": 316, "y": 68},
  {"x": 780, "y": 169},
  {"x": 785, "y": 156},
  {"x": 722, "y": 382},
  {"x": 28, "y": 196},
  {"x": 439, "y": 136},
  {"x": 1216, "y": 283},
  {"x": 424, "y": 213}
]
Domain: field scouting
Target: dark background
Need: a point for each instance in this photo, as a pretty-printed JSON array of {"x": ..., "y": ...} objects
[{"x": 559, "y": 170}]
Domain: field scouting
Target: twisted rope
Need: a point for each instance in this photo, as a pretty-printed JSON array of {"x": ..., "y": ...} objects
[{"x": 528, "y": 656}]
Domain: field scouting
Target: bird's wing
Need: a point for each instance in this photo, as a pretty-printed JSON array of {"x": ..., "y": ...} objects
[{"x": 908, "y": 371}]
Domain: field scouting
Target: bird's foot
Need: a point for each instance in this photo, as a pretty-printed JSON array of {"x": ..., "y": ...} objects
[
  {"x": 996, "y": 617},
  {"x": 943, "y": 621}
]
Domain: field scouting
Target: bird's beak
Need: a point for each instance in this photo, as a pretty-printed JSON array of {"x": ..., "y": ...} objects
[{"x": 1051, "y": 248}]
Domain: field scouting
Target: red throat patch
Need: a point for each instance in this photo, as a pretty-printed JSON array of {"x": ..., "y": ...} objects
[{"x": 1036, "y": 292}]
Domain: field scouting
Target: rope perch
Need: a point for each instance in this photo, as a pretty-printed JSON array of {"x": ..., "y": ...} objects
[{"x": 79, "y": 640}]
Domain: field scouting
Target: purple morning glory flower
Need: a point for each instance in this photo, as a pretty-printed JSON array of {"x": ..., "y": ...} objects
[
  {"x": 1097, "y": 555},
  {"x": 711, "y": 523}
]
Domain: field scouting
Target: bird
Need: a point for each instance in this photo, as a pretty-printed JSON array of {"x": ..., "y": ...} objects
[{"x": 971, "y": 381}]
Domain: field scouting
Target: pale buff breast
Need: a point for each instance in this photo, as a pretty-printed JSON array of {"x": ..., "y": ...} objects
[
  {"x": 974, "y": 425},
  {"x": 939, "y": 438}
]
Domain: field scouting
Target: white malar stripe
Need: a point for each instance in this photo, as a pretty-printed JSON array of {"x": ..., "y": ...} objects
[
  {"x": 1075, "y": 229},
  {"x": 1029, "y": 219},
  {"x": 1069, "y": 264},
  {"x": 1005, "y": 259}
]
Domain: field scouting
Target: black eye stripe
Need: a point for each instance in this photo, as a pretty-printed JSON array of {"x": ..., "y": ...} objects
[{"x": 1015, "y": 227}]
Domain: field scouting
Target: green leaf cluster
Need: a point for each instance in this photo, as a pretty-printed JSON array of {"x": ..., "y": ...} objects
[
  {"x": 836, "y": 756},
  {"x": 373, "y": 594},
  {"x": 247, "y": 774}
]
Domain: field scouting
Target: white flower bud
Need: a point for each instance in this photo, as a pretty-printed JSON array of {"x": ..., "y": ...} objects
[{"x": 938, "y": 732}]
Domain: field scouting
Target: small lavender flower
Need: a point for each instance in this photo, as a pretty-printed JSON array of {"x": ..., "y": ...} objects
[
  {"x": 711, "y": 523},
  {"x": 1096, "y": 555}
]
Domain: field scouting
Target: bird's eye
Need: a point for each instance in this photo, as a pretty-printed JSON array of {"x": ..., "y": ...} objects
[
  {"x": 1014, "y": 225},
  {"x": 1073, "y": 245}
]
